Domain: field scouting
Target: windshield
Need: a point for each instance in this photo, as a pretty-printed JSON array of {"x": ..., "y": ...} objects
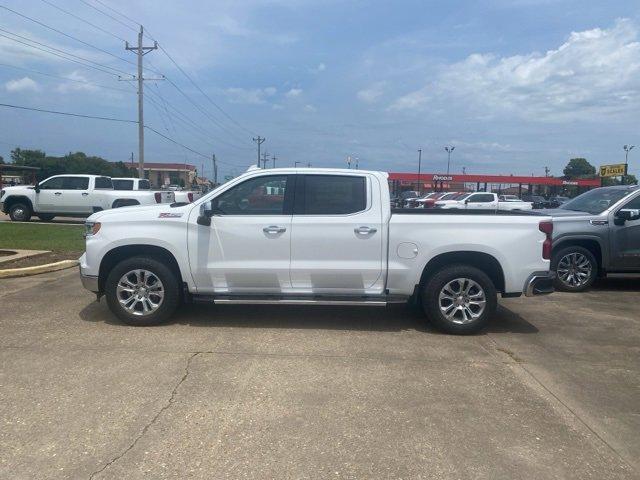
[
  {"x": 596, "y": 201},
  {"x": 461, "y": 196},
  {"x": 449, "y": 196}
]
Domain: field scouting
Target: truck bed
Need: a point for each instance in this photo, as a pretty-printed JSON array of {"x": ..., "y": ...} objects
[{"x": 459, "y": 211}]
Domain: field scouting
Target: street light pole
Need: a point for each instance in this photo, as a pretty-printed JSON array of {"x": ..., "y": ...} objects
[
  {"x": 627, "y": 149},
  {"x": 449, "y": 149},
  {"x": 419, "y": 167}
]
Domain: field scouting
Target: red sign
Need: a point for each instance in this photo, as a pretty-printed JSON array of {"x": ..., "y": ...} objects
[{"x": 502, "y": 179}]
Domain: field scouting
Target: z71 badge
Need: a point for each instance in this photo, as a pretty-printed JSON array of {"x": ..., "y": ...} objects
[{"x": 169, "y": 215}]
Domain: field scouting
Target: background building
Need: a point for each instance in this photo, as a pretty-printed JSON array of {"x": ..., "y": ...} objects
[{"x": 160, "y": 174}]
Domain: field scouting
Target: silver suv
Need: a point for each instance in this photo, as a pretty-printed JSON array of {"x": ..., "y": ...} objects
[{"x": 594, "y": 234}]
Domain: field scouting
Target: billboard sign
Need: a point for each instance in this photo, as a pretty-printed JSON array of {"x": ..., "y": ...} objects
[{"x": 615, "y": 170}]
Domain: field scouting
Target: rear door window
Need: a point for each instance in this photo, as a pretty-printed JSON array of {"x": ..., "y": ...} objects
[
  {"x": 122, "y": 184},
  {"x": 75, "y": 183},
  {"x": 104, "y": 183},
  {"x": 481, "y": 198},
  {"x": 332, "y": 195}
]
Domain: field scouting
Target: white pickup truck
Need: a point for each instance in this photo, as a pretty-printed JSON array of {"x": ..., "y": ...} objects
[
  {"x": 72, "y": 196},
  {"x": 482, "y": 201},
  {"x": 314, "y": 236}
]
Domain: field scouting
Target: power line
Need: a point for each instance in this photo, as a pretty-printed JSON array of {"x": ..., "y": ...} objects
[
  {"x": 111, "y": 119},
  {"x": 172, "y": 61},
  {"x": 68, "y": 114},
  {"x": 61, "y": 51},
  {"x": 67, "y": 35},
  {"x": 64, "y": 78},
  {"x": 83, "y": 20},
  {"x": 112, "y": 17}
]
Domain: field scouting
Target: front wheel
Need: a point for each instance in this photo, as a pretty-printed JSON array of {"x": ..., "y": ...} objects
[
  {"x": 576, "y": 269},
  {"x": 459, "y": 299},
  {"x": 20, "y": 212},
  {"x": 142, "y": 291}
]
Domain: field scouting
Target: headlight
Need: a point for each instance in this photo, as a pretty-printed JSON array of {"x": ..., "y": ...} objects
[{"x": 91, "y": 228}]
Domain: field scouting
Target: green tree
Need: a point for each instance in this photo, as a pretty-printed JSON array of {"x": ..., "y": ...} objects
[
  {"x": 579, "y": 168},
  {"x": 73, "y": 162},
  {"x": 1, "y": 159},
  {"x": 628, "y": 180}
]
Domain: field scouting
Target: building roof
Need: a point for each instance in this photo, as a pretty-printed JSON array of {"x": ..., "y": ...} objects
[{"x": 162, "y": 166}]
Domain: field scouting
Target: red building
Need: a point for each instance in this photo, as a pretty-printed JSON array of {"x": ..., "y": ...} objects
[{"x": 498, "y": 183}]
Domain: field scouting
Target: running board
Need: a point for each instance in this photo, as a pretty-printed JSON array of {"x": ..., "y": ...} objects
[{"x": 373, "y": 301}]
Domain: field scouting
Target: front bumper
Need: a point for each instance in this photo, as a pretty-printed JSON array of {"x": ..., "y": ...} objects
[
  {"x": 89, "y": 282},
  {"x": 539, "y": 283}
]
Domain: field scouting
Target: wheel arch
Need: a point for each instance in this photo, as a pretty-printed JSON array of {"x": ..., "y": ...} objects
[
  {"x": 124, "y": 202},
  {"x": 13, "y": 199},
  {"x": 481, "y": 260},
  {"x": 117, "y": 254},
  {"x": 590, "y": 243}
]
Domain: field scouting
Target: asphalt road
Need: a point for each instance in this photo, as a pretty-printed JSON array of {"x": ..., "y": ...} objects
[
  {"x": 551, "y": 390},
  {"x": 57, "y": 220}
]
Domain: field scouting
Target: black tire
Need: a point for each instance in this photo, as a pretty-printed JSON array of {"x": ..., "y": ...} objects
[
  {"x": 46, "y": 217},
  {"x": 20, "y": 212},
  {"x": 432, "y": 306},
  {"x": 565, "y": 285},
  {"x": 167, "y": 277}
]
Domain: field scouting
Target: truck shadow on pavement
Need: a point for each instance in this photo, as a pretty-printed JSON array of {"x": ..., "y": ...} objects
[
  {"x": 389, "y": 319},
  {"x": 619, "y": 283}
]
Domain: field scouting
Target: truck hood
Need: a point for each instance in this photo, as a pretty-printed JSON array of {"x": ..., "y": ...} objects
[
  {"x": 137, "y": 213},
  {"x": 17, "y": 189}
]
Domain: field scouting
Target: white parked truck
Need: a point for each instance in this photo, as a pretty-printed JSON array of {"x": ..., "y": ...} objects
[
  {"x": 482, "y": 201},
  {"x": 72, "y": 196},
  {"x": 314, "y": 236}
]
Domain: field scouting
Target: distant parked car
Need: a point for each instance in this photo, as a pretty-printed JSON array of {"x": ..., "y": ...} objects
[
  {"x": 481, "y": 201},
  {"x": 72, "y": 196},
  {"x": 406, "y": 195},
  {"x": 537, "y": 201},
  {"x": 509, "y": 198},
  {"x": 555, "y": 202}
]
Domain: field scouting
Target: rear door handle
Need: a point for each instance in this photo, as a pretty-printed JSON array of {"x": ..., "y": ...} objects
[
  {"x": 365, "y": 230},
  {"x": 84, "y": 194},
  {"x": 273, "y": 229},
  {"x": 58, "y": 193}
]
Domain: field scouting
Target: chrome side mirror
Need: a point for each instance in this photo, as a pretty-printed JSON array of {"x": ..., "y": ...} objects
[{"x": 206, "y": 212}]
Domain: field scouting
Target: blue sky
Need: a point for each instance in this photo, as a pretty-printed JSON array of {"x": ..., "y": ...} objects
[{"x": 514, "y": 85}]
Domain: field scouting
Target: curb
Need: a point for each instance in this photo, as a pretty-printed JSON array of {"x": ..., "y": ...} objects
[{"x": 37, "y": 269}]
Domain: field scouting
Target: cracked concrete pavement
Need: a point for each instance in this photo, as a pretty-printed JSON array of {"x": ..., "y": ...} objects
[{"x": 550, "y": 390}]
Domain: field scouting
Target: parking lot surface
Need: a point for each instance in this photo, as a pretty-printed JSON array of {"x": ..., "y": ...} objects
[{"x": 550, "y": 390}]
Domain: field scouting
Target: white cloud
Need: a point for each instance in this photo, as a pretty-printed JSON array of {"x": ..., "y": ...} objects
[
  {"x": 252, "y": 96},
  {"x": 24, "y": 84},
  {"x": 77, "y": 84},
  {"x": 310, "y": 108},
  {"x": 595, "y": 71},
  {"x": 294, "y": 92},
  {"x": 321, "y": 67},
  {"x": 372, "y": 93}
]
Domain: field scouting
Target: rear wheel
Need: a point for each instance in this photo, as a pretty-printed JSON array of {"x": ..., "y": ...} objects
[
  {"x": 459, "y": 299},
  {"x": 576, "y": 269},
  {"x": 20, "y": 212},
  {"x": 142, "y": 291}
]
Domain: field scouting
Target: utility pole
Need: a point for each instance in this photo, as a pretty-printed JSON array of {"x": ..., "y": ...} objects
[
  {"x": 274, "y": 161},
  {"x": 215, "y": 170},
  {"x": 357, "y": 159},
  {"x": 419, "y": 168},
  {"x": 449, "y": 149},
  {"x": 464, "y": 170},
  {"x": 349, "y": 162},
  {"x": 264, "y": 160},
  {"x": 546, "y": 171},
  {"x": 295, "y": 164},
  {"x": 131, "y": 158},
  {"x": 141, "y": 51},
  {"x": 260, "y": 140},
  {"x": 309, "y": 165}
]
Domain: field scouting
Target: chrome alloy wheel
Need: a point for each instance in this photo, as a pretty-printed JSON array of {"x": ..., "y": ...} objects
[
  {"x": 462, "y": 301},
  {"x": 574, "y": 269},
  {"x": 140, "y": 292},
  {"x": 19, "y": 213}
]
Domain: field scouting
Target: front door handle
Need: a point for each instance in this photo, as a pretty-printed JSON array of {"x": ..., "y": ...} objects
[
  {"x": 365, "y": 230},
  {"x": 273, "y": 229},
  {"x": 84, "y": 194},
  {"x": 58, "y": 193}
]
